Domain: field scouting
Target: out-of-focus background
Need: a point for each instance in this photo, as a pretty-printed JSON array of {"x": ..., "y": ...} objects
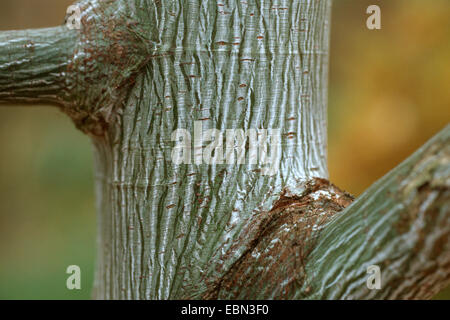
[{"x": 388, "y": 94}]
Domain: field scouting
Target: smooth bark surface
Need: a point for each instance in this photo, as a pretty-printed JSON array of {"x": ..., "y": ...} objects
[{"x": 137, "y": 71}]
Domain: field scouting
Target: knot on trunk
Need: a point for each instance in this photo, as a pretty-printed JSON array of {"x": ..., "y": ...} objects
[
  {"x": 109, "y": 52},
  {"x": 281, "y": 239}
]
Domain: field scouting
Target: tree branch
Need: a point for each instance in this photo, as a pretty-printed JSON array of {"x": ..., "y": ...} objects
[
  {"x": 88, "y": 72},
  {"x": 33, "y": 65},
  {"x": 304, "y": 248},
  {"x": 401, "y": 224}
]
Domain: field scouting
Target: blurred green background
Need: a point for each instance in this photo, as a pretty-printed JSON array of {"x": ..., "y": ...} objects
[{"x": 389, "y": 93}]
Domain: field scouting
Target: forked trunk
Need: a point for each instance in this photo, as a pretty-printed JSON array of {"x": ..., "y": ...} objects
[{"x": 209, "y": 126}]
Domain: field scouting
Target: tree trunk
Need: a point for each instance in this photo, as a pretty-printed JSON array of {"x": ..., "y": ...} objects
[{"x": 172, "y": 93}]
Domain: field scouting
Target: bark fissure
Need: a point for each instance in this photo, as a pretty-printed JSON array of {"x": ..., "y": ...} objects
[{"x": 401, "y": 224}]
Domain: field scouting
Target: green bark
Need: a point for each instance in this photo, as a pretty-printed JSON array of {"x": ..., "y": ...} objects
[
  {"x": 139, "y": 70},
  {"x": 33, "y": 65},
  {"x": 401, "y": 223},
  {"x": 250, "y": 67}
]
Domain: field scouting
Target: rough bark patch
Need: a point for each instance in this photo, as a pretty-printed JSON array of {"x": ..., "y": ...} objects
[{"x": 274, "y": 263}]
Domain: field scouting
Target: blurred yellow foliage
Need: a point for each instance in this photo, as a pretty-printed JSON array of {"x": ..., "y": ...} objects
[{"x": 389, "y": 88}]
